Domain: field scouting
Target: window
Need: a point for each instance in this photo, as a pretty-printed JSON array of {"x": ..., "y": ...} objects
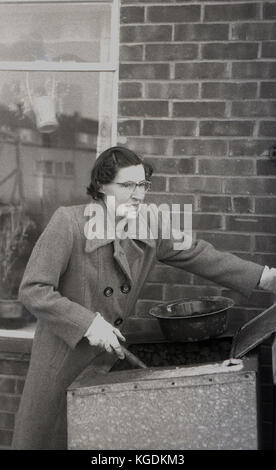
[{"x": 58, "y": 101}]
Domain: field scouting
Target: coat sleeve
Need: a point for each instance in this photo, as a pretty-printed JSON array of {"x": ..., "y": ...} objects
[
  {"x": 202, "y": 259},
  {"x": 39, "y": 287}
]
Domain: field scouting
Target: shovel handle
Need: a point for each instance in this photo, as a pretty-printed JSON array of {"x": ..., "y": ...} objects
[{"x": 133, "y": 359}]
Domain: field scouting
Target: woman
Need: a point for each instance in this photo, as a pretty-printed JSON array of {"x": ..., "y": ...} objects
[{"x": 82, "y": 288}]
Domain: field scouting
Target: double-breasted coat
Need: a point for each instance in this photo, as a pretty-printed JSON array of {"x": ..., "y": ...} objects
[{"x": 67, "y": 279}]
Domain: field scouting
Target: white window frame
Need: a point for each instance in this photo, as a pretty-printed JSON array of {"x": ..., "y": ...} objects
[{"x": 68, "y": 66}]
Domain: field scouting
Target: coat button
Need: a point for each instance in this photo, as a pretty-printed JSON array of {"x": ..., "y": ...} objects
[
  {"x": 118, "y": 321},
  {"x": 125, "y": 288},
  {"x": 108, "y": 291}
]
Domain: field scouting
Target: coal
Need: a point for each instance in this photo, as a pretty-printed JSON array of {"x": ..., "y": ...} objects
[{"x": 177, "y": 354}]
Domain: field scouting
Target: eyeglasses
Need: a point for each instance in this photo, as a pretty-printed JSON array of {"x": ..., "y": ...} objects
[{"x": 130, "y": 186}]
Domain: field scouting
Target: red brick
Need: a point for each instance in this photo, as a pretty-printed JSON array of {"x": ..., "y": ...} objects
[
  {"x": 164, "y": 52},
  {"x": 175, "y": 292},
  {"x": 228, "y": 90},
  {"x": 254, "y": 108},
  {"x": 130, "y": 90},
  {"x": 201, "y": 32},
  {"x": 227, "y": 241},
  {"x": 172, "y": 165},
  {"x": 215, "y": 148},
  {"x": 250, "y": 223},
  {"x": 169, "y": 127},
  {"x": 265, "y": 243},
  {"x": 129, "y": 127},
  {"x": 148, "y": 146},
  {"x": 266, "y": 70},
  {"x": 9, "y": 403},
  {"x": 167, "y": 274},
  {"x": 171, "y": 90},
  {"x": 223, "y": 166},
  {"x": 145, "y": 33},
  {"x": 215, "y": 204},
  {"x": 242, "y": 205},
  {"x": 266, "y": 167},
  {"x": 152, "y": 292},
  {"x": 265, "y": 259},
  {"x": 257, "y": 299},
  {"x": 267, "y": 129},
  {"x": 131, "y": 53},
  {"x": 226, "y": 128},
  {"x": 7, "y": 384},
  {"x": 201, "y": 70},
  {"x": 173, "y": 14},
  {"x": 132, "y": 14},
  {"x": 144, "y": 71},
  {"x": 254, "y": 31},
  {"x": 250, "y": 186},
  {"x": 231, "y": 12},
  {"x": 169, "y": 198},
  {"x": 268, "y": 50},
  {"x": 6, "y": 421},
  {"x": 268, "y": 89},
  {"x": 230, "y": 51},
  {"x": 248, "y": 147},
  {"x": 207, "y": 222},
  {"x": 199, "y": 109},
  {"x": 196, "y": 184},
  {"x": 158, "y": 183},
  {"x": 143, "y": 108},
  {"x": 269, "y": 10},
  {"x": 265, "y": 205},
  {"x": 5, "y": 438}
]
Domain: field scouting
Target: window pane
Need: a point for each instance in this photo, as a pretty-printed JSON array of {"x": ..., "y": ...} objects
[
  {"x": 46, "y": 170},
  {"x": 55, "y": 32}
]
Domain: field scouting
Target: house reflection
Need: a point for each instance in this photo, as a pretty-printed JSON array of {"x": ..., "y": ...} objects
[{"x": 45, "y": 171}]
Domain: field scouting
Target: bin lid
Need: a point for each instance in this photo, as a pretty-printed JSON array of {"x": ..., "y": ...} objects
[{"x": 254, "y": 332}]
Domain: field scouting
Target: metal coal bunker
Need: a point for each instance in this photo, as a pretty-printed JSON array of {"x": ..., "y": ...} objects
[{"x": 183, "y": 400}]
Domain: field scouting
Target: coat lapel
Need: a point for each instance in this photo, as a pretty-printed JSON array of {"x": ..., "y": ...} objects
[{"x": 126, "y": 250}]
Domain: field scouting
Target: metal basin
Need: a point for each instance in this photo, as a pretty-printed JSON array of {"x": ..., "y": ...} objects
[{"x": 193, "y": 319}]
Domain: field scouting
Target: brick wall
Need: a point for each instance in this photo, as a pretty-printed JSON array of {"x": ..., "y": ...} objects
[
  {"x": 14, "y": 363},
  {"x": 197, "y": 98}
]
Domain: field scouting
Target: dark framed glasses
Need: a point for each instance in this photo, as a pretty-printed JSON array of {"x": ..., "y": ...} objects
[{"x": 130, "y": 186}]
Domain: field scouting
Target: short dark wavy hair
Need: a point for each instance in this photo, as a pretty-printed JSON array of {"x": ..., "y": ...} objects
[{"x": 107, "y": 165}]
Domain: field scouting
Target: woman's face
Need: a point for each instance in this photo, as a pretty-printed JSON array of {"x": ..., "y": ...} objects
[{"x": 127, "y": 195}]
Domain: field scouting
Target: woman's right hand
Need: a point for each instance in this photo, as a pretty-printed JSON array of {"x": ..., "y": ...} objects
[{"x": 103, "y": 334}]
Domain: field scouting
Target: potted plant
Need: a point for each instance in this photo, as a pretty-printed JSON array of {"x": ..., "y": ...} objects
[{"x": 17, "y": 236}]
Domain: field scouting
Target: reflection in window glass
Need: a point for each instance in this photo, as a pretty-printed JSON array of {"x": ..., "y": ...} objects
[
  {"x": 33, "y": 164},
  {"x": 58, "y": 168},
  {"x": 49, "y": 31},
  {"x": 69, "y": 168}
]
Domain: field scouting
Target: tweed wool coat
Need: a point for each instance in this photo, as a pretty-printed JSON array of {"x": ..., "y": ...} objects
[{"x": 67, "y": 280}]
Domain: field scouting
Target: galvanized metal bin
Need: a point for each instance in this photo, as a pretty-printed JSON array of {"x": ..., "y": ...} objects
[{"x": 211, "y": 406}]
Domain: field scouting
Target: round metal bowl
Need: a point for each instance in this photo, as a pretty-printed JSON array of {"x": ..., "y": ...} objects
[{"x": 193, "y": 319}]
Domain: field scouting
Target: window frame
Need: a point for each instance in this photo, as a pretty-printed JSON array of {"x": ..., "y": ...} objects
[{"x": 69, "y": 66}]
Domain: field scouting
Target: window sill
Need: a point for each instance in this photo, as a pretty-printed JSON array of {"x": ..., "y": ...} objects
[{"x": 17, "y": 341}]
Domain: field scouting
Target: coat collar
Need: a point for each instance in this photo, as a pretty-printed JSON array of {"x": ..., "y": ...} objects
[{"x": 107, "y": 235}]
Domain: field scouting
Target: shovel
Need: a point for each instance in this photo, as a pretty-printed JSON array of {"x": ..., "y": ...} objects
[{"x": 132, "y": 359}]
